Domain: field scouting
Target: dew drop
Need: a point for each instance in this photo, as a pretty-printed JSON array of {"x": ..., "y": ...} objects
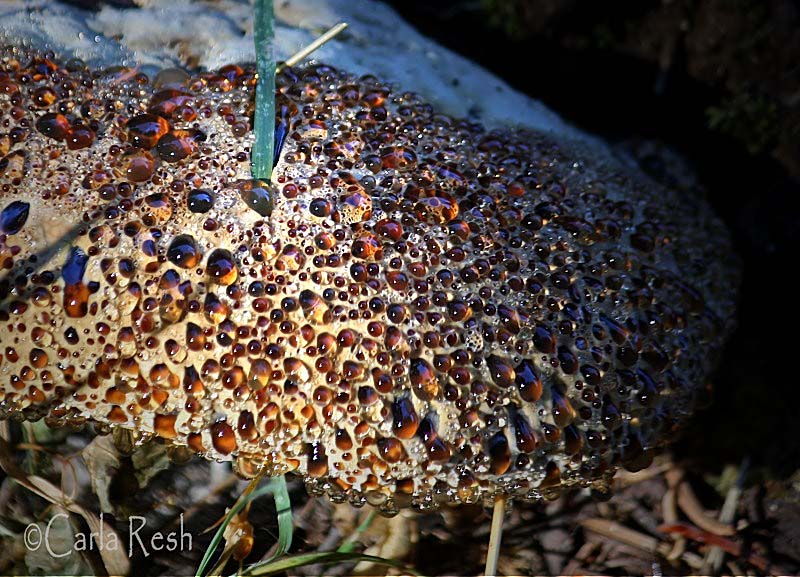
[
  {"x": 223, "y": 437},
  {"x": 14, "y": 216},
  {"x": 221, "y": 267},
  {"x": 183, "y": 251},
  {"x": 258, "y": 195}
]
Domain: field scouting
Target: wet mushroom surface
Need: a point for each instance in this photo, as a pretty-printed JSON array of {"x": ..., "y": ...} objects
[{"x": 414, "y": 311}]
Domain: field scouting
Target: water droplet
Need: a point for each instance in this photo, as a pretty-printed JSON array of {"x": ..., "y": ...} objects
[
  {"x": 145, "y": 130},
  {"x": 14, "y": 216},
  {"x": 499, "y": 453},
  {"x": 221, "y": 267},
  {"x": 525, "y": 435},
  {"x": 56, "y": 126},
  {"x": 528, "y": 381},
  {"x": 423, "y": 380},
  {"x": 183, "y": 251},
  {"x": 258, "y": 195},
  {"x": 223, "y": 437},
  {"x": 317, "y": 459},
  {"x": 405, "y": 419}
]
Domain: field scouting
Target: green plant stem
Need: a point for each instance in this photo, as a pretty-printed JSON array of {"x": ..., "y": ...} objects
[{"x": 263, "y": 148}]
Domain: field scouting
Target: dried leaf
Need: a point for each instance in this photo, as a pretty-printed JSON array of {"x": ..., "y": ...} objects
[
  {"x": 51, "y": 548},
  {"x": 393, "y": 540},
  {"x": 115, "y": 560},
  {"x": 102, "y": 461},
  {"x": 148, "y": 461}
]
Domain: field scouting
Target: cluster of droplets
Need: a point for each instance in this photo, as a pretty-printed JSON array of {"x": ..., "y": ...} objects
[{"x": 414, "y": 311}]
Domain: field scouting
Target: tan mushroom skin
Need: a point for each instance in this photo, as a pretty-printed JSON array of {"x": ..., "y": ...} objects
[{"x": 415, "y": 311}]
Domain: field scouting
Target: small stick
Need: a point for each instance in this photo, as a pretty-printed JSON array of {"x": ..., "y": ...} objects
[
  {"x": 715, "y": 556},
  {"x": 495, "y": 535},
  {"x": 303, "y": 52}
]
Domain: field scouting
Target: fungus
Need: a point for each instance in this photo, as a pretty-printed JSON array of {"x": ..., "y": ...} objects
[{"x": 415, "y": 310}]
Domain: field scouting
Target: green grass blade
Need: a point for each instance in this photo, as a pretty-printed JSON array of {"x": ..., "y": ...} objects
[
  {"x": 350, "y": 542},
  {"x": 325, "y": 558},
  {"x": 283, "y": 506},
  {"x": 238, "y": 506},
  {"x": 263, "y": 147}
]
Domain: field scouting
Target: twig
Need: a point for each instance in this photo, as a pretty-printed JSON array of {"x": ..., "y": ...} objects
[
  {"x": 627, "y": 536},
  {"x": 689, "y": 504},
  {"x": 301, "y": 54},
  {"x": 715, "y": 556},
  {"x": 495, "y": 536},
  {"x": 669, "y": 506}
]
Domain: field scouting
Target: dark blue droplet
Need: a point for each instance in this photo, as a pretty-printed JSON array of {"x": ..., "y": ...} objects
[
  {"x": 14, "y": 216},
  {"x": 200, "y": 200},
  {"x": 258, "y": 196},
  {"x": 281, "y": 130},
  {"x": 73, "y": 269}
]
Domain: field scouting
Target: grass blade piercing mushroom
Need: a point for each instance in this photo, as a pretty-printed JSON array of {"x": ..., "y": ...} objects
[{"x": 432, "y": 313}]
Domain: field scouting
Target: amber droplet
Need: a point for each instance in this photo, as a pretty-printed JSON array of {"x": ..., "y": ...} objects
[
  {"x": 404, "y": 417},
  {"x": 145, "y": 130},
  {"x": 80, "y": 137},
  {"x": 543, "y": 339},
  {"x": 499, "y": 453},
  {"x": 391, "y": 450},
  {"x": 423, "y": 380},
  {"x": 176, "y": 145},
  {"x": 76, "y": 292},
  {"x": 258, "y": 195},
  {"x": 43, "y": 97},
  {"x": 525, "y": 435},
  {"x": 164, "y": 426},
  {"x": 563, "y": 412},
  {"x": 223, "y": 437},
  {"x": 343, "y": 440},
  {"x": 195, "y": 442},
  {"x": 611, "y": 415},
  {"x": 56, "y": 126},
  {"x": 221, "y": 267},
  {"x": 439, "y": 209},
  {"x": 183, "y": 251},
  {"x": 573, "y": 440},
  {"x": 317, "y": 459},
  {"x": 552, "y": 475},
  {"x": 528, "y": 382},
  {"x": 502, "y": 372},
  {"x": 139, "y": 167},
  {"x": 14, "y": 216}
]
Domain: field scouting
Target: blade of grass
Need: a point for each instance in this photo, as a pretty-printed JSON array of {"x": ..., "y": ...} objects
[
  {"x": 350, "y": 542},
  {"x": 245, "y": 498},
  {"x": 324, "y": 558},
  {"x": 263, "y": 148},
  {"x": 283, "y": 506}
]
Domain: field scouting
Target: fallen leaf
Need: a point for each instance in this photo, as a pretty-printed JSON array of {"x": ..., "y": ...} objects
[{"x": 102, "y": 461}]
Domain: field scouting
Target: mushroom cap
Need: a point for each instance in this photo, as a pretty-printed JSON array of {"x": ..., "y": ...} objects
[{"x": 415, "y": 311}]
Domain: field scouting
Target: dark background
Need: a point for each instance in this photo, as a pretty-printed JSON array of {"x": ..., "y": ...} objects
[{"x": 718, "y": 83}]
